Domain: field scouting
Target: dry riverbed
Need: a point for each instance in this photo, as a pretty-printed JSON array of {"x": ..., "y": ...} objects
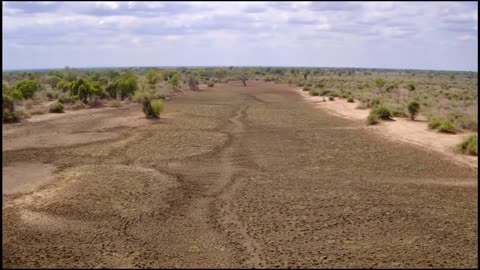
[{"x": 235, "y": 177}]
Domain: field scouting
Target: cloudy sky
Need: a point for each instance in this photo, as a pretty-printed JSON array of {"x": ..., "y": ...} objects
[{"x": 411, "y": 35}]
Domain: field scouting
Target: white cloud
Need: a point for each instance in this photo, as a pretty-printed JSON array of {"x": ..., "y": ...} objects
[
  {"x": 467, "y": 37},
  {"x": 107, "y": 5}
]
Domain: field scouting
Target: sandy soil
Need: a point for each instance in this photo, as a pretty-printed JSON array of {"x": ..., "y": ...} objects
[
  {"x": 25, "y": 176},
  {"x": 401, "y": 129},
  {"x": 235, "y": 177}
]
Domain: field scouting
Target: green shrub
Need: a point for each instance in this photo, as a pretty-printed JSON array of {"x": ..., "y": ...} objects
[
  {"x": 66, "y": 99},
  {"x": 300, "y": 84},
  {"x": 350, "y": 99},
  {"x": 447, "y": 126},
  {"x": 331, "y": 98},
  {"x": 372, "y": 118},
  {"x": 397, "y": 112},
  {"x": 373, "y": 103},
  {"x": 382, "y": 112},
  {"x": 56, "y": 107},
  {"x": 314, "y": 92},
  {"x": 307, "y": 88},
  {"x": 470, "y": 145},
  {"x": 344, "y": 95},
  {"x": 434, "y": 122},
  {"x": 413, "y": 108},
  {"x": 157, "y": 106}
]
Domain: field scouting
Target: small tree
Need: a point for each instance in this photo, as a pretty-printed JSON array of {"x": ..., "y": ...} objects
[
  {"x": 27, "y": 88},
  {"x": 379, "y": 83},
  {"x": 413, "y": 108},
  {"x": 174, "y": 81},
  {"x": 243, "y": 76},
  {"x": 152, "y": 78}
]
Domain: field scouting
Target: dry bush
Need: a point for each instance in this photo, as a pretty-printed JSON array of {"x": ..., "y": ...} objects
[
  {"x": 96, "y": 102},
  {"x": 28, "y": 104},
  {"x": 114, "y": 103},
  {"x": 77, "y": 105}
]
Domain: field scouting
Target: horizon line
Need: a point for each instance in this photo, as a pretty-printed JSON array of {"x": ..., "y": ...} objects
[{"x": 228, "y": 66}]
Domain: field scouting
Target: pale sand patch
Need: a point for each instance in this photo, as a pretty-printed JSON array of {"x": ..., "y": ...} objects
[
  {"x": 25, "y": 176},
  {"x": 415, "y": 132}
]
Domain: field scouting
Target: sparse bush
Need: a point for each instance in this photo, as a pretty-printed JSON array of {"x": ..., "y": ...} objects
[
  {"x": 28, "y": 104},
  {"x": 10, "y": 117},
  {"x": 372, "y": 118},
  {"x": 300, "y": 84},
  {"x": 77, "y": 105},
  {"x": 56, "y": 107},
  {"x": 447, "y": 126},
  {"x": 96, "y": 102},
  {"x": 463, "y": 121},
  {"x": 36, "y": 110},
  {"x": 114, "y": 103},
  {"x": 211, "y": 84},
  {"x": 306, "y": 88},
  {"x": 66, "y": 99},
  {"x": 470, "y": 145},
  {"x": 413, "y": 108},
  {"x": 51, "y": 95},
  {"x": 434, "y": 122},
  {"x": 157, "y": 106},
  {"x": 331, "y": 98},
  {"x": 350, "y": 99},
  {"x": 373, "y": 103},
  {"x": 397, "y": 112},
  {"x": 382, "y": 112},
  {"x": 314, "y": 92},
  {"x": 22, "y": 114}
]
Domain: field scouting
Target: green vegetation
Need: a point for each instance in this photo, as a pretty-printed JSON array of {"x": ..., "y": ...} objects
[
  {"x": 449, "y": 95},
  {"x": 470, "y": 145},
  {"x": 382, "y": 112},
  {"x": 435, "y": 122},
  {"x": 157, "y": 107},
  {"x": 27, "y": 88},
  {"x": 314, "y": 92},
  {"x": 56, "y": 107},
  {"x": 372, "y": 118},
  {"x": 350, "y": 99},
  {"x": 413, "y": 108},
  {"x": 442, "y": 124},
  {"x": 447, "y": 126}
]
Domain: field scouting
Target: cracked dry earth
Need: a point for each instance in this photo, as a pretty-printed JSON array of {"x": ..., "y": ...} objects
[{"x": 231, "y": 177}]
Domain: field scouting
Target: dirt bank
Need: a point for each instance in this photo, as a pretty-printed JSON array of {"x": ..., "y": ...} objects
[{"x": 401, "y": 129}]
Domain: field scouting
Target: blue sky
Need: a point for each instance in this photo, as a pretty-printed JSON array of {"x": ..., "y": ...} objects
[{"x": 410, "y": 35}]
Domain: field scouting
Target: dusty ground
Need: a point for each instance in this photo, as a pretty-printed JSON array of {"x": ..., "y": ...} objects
[
  {"x": 401, "y": 129},
  {"x": 232, "y": 177}
]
